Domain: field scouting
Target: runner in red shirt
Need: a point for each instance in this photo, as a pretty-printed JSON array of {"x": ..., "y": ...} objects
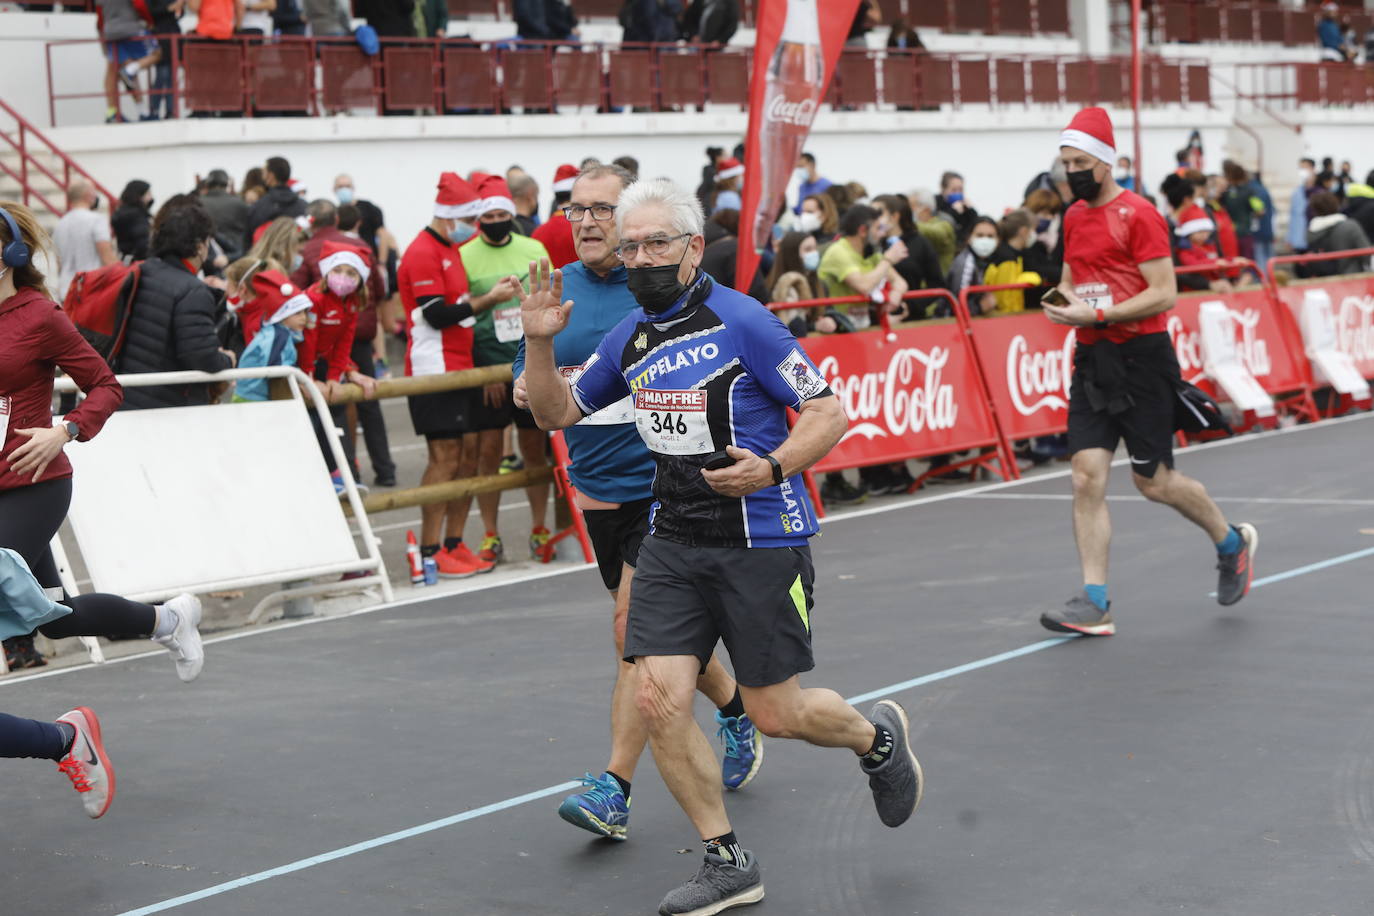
[
  {"x": 1118, "y": 282},
  {"x": 440, "y": 316},
  {"x": 555, "y": 233}
]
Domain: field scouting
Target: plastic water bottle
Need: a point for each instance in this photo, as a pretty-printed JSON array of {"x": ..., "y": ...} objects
[{"x": 431, "y": 569}]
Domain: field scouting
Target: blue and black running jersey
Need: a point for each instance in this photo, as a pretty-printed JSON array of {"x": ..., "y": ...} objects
[{"x": 719, "y": 369}]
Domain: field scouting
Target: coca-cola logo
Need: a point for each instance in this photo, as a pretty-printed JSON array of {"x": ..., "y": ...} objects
[
  {"x": 1039, "y": 380},
  {"x": 1251, "y": 348},
  {"x": 1355, "y": 328},
  {"x": 801, "y": 113},
  {"x": 898, "y": 398}
]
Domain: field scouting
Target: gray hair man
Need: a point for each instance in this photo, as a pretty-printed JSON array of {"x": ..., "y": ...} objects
[
  {"x": 712, "y": 374},
  {"x": 613, "y": 472}
]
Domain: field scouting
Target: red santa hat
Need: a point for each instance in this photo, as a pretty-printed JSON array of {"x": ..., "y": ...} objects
[
  {"x": 276, "y": 297},
  {"x": 1194, "y": 219},
  {"x": 297, "y": 187},
  {"x": 456, "y": 198},
  {"x": 728, "y": 168},
  {"x": 1091, "y": 131},
  {"x": 495, "y": 193},
  {"x": 563, "y": 178},
  {"x": 338, "y": 254}
]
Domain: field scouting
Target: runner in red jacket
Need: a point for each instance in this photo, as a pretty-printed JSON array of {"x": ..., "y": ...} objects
[{"x": 36, "y": 338}]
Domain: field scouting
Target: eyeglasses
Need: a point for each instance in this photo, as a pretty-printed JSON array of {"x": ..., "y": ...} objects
[
  {"x": 655, "y": 247},
  {"x": 600, "y": 212}
]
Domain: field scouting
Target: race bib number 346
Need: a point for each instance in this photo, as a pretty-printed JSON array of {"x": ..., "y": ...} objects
[{"x": 673, "y": 422}]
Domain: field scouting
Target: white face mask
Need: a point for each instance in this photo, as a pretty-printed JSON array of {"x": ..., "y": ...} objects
[
  {"x": 811, "y": 259},
  {"x": 800, "y": 173},
  {"x": 1123, "y": 174},
  {"x": 983, "y": 246},
  {"x": 808, "y": 222},
  {"x": 1304, "y": 175}
]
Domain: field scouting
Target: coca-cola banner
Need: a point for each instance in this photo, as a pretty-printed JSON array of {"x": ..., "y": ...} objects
[
  {"x": 1028, "y": 363},
  {"x": 1261, "y": 341},
  {"x": 796, "y": 46},
  {"x": 911, "y": 395},
  {"x": 1352, "y": 306}
]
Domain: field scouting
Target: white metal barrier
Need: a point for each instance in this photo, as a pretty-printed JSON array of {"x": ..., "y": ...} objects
[{"x": 218, "y": 497}]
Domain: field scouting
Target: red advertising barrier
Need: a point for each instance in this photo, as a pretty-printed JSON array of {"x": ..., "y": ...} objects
[
  {"x": 1027, "y": 363},
  {"x": 1264, "y": 340},
  {"x": 1352, "y": 305}
]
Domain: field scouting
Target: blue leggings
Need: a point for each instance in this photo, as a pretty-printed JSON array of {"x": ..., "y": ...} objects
[{"x": 30, "y": 738}]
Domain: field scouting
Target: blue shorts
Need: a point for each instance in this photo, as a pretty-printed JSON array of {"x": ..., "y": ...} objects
[{"x": 121, "y": 52}]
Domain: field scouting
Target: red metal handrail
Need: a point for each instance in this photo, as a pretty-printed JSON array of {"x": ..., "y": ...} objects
[
  {"x": 1313, "y": 256},
  {"x": 19, "y": 141}
]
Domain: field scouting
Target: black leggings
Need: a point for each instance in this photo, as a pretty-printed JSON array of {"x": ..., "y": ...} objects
[
  {"x": 30, "y": 738},
  {"x": 29, "y": 517}
]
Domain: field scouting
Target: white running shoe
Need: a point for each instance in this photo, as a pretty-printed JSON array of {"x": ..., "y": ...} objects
[
  {"x": 86, "y": 764},
  {"x": 184, "y": 642}
]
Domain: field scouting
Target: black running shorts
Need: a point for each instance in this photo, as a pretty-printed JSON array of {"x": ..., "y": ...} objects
[
  {"x": 1147, "y": 426},
  {"x": 757, "y": 600},
  {"x": 441, "y": 415},
  {"x": 483, "y": 416},
  {"x": 616, "y": 535}
]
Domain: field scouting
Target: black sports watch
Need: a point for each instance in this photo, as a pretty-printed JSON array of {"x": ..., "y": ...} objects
[
  {"x": 72, "y": 429},
  {"x": 777, "y": 469}
]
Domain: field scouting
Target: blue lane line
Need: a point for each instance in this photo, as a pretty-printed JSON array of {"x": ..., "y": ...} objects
[
  {"x": 351, "y": 850},
  {"x": 568, "y": 786}
]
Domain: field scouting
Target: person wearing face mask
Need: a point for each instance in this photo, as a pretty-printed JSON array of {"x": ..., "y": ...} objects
[
  {"x": 712, "y": 375},
  {"x": 953, "y": 205},
  {"x": 491, "y": 259},
  {"x": 921, "y": 267},
  {"x": 440, "y": 315},
  {"x": 288, "y": 312},
  {"x": 809, "y": 180},
  {"x": 819, "y": 219},
  {"x": 1117, "y": 286},
  {"x": 1007, "y": 264},
  {"x": 1125, "y": 178},
  {"x": 855, "y": 266},
  {"x": 1297, "y": 207},
  {"x": 131, "y": 222},
  {"x": 172, "y": 321},
  {"x": 613, "y": 472},
  {"x": 971, "y": 264},
  {"x": 793, "y": 278}
]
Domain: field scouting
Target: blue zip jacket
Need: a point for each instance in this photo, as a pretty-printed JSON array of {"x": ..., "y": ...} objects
[
  {"x": 274, "y": 345},
  {"x": 609, "y": 459}
]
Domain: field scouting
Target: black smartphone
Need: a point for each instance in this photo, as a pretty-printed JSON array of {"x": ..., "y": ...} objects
[
  {"x": 717, "y": 461},
  {"x": 1054, "y": 297}
]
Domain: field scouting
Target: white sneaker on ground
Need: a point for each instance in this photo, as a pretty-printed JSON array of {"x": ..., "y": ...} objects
[{"x": 184, "y": 641}]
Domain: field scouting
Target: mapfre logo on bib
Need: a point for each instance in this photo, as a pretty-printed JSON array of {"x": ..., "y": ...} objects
[{"x": 799, "y": 376}]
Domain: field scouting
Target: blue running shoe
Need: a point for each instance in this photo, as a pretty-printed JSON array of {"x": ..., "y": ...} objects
[
  {"x": 603, "y": 808},
  {"x": 743, "y": 750}
]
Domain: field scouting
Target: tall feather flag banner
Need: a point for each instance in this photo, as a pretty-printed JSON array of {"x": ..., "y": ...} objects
[{"x": 797, "y": 44}]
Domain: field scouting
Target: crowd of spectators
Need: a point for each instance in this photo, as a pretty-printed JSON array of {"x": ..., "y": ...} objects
[{"x": 205, "y": 255}]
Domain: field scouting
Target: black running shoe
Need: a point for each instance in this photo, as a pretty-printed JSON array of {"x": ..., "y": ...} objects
[
  {"x": 1237, "y": 569},
  {"x": 897, "y": 782},
  {"x": 837, "y": 491},
  {"x": 20, "y": 652}
]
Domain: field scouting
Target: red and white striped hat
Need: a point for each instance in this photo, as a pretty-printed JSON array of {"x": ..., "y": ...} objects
[
  {"x": 1091, "y": 131},
  {"x": 456, "y": 198},
  {"x": 728, "y": 168},
  {"x": 563, "y": 178},
  {"x": 336, "y": 254}
]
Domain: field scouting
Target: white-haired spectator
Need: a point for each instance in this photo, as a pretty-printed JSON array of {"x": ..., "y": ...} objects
[{"x": 936, "y": 229}]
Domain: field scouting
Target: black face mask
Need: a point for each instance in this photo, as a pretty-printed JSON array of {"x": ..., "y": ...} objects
[
  {"x": 868, "y": 249},
  {"x": 497, "y": 233},
  {"x": 1083, "y": 185},
  {"x": 655, "y": 288}
]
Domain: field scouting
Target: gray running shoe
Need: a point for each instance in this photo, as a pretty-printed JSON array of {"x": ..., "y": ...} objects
[
  {"x": 1080, "y": 615},
  {"x": 1237, "y": 569},
  {"x": 897, "y": 782},
  {"x": 717, "y": 886}
]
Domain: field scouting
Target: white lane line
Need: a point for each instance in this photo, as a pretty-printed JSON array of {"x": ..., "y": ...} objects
[{"x": 1132, "y": 498}]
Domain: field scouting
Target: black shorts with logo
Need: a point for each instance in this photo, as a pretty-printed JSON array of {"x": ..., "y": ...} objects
[
  {"x": 484, "y": 416},
  {"x": 757, "y": 600},
  {"x": 1147, "y": 426},
  {"x": 616, "y": 535}
]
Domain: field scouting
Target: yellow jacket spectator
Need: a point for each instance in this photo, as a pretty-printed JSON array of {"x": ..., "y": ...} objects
[{"x": 1008, "y": 262}]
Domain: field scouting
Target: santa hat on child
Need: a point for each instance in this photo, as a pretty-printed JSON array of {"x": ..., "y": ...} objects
[
  {"x": 728, "y": 168},
  {"x": 564, "y": 178},
  {"x": 335, "y": 254},
  {"x": 1091, "y": 131},
  {"x": 276, "y": 297},
  {"x": 1194, "y": 219},
  {"x": 495, "y": 193},
  {"x": 456, "y": 198}
]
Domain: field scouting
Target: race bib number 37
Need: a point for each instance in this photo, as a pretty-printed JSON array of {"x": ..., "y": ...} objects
[
  {"x": 1097, "y": 295},
  {"x": 673, "y": 422}
]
